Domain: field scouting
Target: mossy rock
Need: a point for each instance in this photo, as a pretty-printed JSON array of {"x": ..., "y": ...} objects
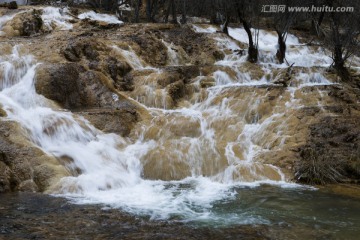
[{"x": 3, "y": 113}]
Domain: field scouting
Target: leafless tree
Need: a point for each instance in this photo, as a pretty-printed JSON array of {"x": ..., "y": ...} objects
[
  {"x": 247, "y": 12},
  {"x": 343, "y": 38}
]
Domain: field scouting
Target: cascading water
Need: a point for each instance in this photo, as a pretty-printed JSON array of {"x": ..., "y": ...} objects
[
  {"x": 110, "y": 167},
  {"x": 201, "y": 153}
]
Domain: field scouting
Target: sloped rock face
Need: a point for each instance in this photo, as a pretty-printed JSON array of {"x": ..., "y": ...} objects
[
  {"x": 120, "y": 121},
  {"x": 86, "y": 92},
  {"x": 23, "y": 166},
  {"x": 199, "y": 49},
  {"x": 331, "y": 153},
  {"x": 74, "y": 87},
  {"x": 150, "y": 48}
]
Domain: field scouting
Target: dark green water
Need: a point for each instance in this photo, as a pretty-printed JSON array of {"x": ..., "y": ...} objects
[{"x": 294, "y": 213}]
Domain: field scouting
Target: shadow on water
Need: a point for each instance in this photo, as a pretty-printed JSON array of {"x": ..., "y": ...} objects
[{"x": 266, "y": 212}]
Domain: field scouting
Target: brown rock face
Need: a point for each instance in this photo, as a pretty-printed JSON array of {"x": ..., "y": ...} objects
[
  {"x": 23, "y": 166},
  {"x": 89, "y": 92},
  {"x": 198, "y": 47},
  {"x": 73, "y": 87},
  {"x": 120, "y": 121},
  {"x": 151, "y": 49},
  {"x": 332, "y": 153},
  {"x": 60, "y": 83},
  {"x": 5, "y": 175},
  {"x": 118, "y": 70},
  {"x": 76, "y": 50}
]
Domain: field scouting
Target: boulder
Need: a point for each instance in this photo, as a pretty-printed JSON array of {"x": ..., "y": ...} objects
[
  {"x": 91, "y": 94},
  {"x": 75, "y": 88}
]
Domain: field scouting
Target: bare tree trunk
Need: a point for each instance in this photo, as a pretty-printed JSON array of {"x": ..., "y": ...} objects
[
  {"x": 226, "y": 24},
  {"x": 148, "y": 9},
  {"x": 137, "y": 10},
  {"x": 252, "y": 51},
  {"x": 280, "y": 54},
  {"x": 173, "y": 11},
  {"x": 213, "y": 17},
  {"x": 183, "y": 15},
  {"x": 154, "y": 9}
]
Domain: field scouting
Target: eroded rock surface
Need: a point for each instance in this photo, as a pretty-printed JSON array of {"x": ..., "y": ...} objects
[{"x": 23, "y": 166}]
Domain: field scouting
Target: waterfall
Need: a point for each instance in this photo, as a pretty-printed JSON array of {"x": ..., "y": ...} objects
[{"x": 181, "y": 161}]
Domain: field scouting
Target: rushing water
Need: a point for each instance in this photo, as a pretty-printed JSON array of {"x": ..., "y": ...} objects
[{"x": 200, "y": 163}]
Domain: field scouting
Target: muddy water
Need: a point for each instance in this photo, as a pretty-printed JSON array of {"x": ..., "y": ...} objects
[{"x": 264, "y": 212}]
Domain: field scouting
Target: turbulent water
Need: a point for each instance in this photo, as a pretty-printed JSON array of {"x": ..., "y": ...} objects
[{"x": 204, "y": 152}]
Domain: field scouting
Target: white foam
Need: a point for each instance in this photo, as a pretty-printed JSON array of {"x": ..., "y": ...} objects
[
  {"x": 56, "y": 18},
  {"x": 204, "y": 28},
  {"x": 297, "y": 53},
  {"x": 100, "y": 17},
  {"x": 130, "y": 56}
]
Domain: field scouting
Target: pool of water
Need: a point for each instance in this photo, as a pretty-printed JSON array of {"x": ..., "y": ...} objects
[
  {"x": 264, "y": 212},
  {"x": 292, "y": 213}
]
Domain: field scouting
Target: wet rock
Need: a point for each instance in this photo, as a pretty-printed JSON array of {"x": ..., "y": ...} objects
[
  {"x": 32, "y": 24},
  {"x": 342, "y": 94},
  {"x": 60, "y": 83},
  {"x": 151, "y": 49},
  {"x": 120, "y": 121},
  {"x": 200, "y": 49},
  {"x": 5, "y": 176},
  {"x": 27, "y": 23},
  {"x": 176, "y": 90},
  {"x": 28, "y": 186},
  {"x": 19, "y": 159},
  {"x": 43, "y": 175},
  {"x": 283, "y": 77},
  {"x": 88, "y": 92},
  {"x": 218, "y": 55},
  {"x": 186, "y": 72},
  {"x": 207, "y": 82},
  {"x": 88, "y": 48},
  {"x": 74, "y": 87},
  {"x": 118, "y": 71},
  {"x": 2, "y": 112},
  {"x": 161, "y": 164},
  {"x": 72, "y": 53}
]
